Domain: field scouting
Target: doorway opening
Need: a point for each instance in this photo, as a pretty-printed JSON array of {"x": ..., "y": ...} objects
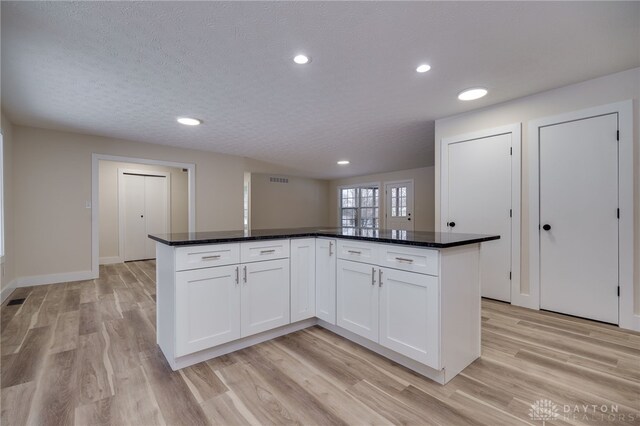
[{"x": 134, "y": 197}]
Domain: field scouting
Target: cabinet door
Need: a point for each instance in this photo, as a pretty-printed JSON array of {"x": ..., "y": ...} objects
[
  {"x": 326, "y": 280},
  {"x": 409, "y": 317},
  {"x": 303, "y": 279},
  {"x": 265, "y": 296},
  {"x": 207, "y": 308},
  {"x": 358, "y": 298}
]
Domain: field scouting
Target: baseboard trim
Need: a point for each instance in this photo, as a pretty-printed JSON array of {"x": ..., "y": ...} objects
[
  {"x": 54, "y": 278},
  {"x": 438, "y": 376},
  {"x": 197, "y": 357},
  {"x": 110, "y": 260},
  {"x": 6, "y": 292}
]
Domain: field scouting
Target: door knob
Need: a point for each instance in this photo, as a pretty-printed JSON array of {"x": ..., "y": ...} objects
[
  {"x": 546, "y": 227},
  {"x": 451, "y": 224},
  {"x": 141, "y": 215}
]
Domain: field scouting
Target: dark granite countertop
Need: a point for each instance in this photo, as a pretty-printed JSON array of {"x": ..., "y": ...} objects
[{"x": 389, "y": 236}]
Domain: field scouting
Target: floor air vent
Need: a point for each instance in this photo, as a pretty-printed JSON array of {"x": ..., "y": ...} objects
[{"x": 16, "y": 302}]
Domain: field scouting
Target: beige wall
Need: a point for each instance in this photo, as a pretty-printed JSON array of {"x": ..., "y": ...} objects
[
  {"x": 301, "y": 202},
  {"x": 600, "y": 91},
  {"x": 52, "y": 183},
  {"x": 422, "y": 187},
  {"x": 7, "y": 269},
  {"x": 108, "y": 189}
]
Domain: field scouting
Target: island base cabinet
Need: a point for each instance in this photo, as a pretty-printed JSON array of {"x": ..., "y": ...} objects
[
  {"x": 358, "y": 298},
  {"x": 326, "y": 280},
  {"x": 265, "y": 296},
  {"x": 207, "y": 308},
  {"x": 409, "y": 317},
  {"x": 303, "y": 279}
]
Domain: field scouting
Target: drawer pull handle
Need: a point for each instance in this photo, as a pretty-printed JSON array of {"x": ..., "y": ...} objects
[
  {"x": 330, "y": 248},
  {"x": 373, "y": 276},
  {"x": 237, "y": 274},
  {"x": 213, "y": 257},
  {"x": 354, "y": 251},
  {"x": 380, "y": 277},
  {"x": 404, "y": 259},
  {"x": 267, "y": 251},
  {"x": 244, "y": 276}
]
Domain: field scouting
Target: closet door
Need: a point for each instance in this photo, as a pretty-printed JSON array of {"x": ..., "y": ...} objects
[
  {"x": 145, "y": 210},
  {"x": 134, "y": 222},
  {"x": 578, "y": 218}
]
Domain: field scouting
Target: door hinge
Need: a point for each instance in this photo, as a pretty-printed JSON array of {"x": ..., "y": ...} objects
[
  {"x": 618, "y": 291},
  {"x": 510, "y": 212},
  {"x": 618, "y": 213},
  {"x": 510, "y": 151},
  {"x": 617, "y": 135},
  {"x": 509, "y": 275}
]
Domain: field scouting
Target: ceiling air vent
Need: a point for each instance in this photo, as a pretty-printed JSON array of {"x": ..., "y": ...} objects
[{"x": 278, "y": 180}]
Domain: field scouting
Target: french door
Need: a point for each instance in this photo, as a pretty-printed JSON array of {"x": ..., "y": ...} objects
[{"x": 399, "y": 205}]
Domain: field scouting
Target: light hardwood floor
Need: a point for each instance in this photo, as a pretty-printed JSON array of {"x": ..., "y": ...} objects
[{"x": 84, "y": 353}]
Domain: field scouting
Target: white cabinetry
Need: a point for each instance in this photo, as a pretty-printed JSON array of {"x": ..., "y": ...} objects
[
  {"x": 303, "y": 278},
  {"x": 326, "y": 280},
  {"x": 207, "y": 308},
  {"x": 393, "y": 307},
  {"x": 419, "y": 307},
  {"x": 409, "y": 316},
  {"x": 358, "y": 298},
  {"x": 265, "y": 296}
]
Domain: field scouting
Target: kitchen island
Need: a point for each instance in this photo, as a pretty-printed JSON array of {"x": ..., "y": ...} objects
[{"x": 413, "y": 297}]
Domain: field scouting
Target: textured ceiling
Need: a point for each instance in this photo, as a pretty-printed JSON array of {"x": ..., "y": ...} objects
[{"x": 127, "y": 70}]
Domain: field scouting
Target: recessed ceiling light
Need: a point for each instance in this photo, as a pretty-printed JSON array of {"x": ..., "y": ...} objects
[
  {"x": 187, "y": 121},
  {"x": 301, "y": 59},
  {"x": 343, "y": 162},
  {"x": 423, "y": 68},
  {"x": 472, "y": 94}
]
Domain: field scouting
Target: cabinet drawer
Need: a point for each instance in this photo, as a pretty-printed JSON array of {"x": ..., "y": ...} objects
[
  {"x": 420, "y": 260},
  {"x": 357, "y": 251},
  {"x": 264, "y": 250},
  {"x": 207, "y": 256}
]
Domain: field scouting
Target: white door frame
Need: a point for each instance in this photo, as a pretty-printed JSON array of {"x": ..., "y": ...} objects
[
  {"x": 121, "y": 211},
  {"x": 516, "y": 143},
  {"x": 413, "y": 200},
  {"x": 627, "y": 317},
  {"x": 95, "y": 198}
]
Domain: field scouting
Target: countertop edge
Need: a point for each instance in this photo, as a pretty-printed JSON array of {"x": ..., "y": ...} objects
[{"x": 325, "y": 235}]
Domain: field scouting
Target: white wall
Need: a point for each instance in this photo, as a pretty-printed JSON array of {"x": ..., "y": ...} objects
[
  {"x": 600, "y": 91},
  {"x": 301, "y": 202},
  {"x": 7, "y": 268},
  {"x": 52, "y": 183},
  {"x": 108, "y": 189},
  {"x": 423, "y": 188}
]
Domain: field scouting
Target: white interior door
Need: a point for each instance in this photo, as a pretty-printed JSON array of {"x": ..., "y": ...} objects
[
  {"x": 578, "y": 218},
  {"x": 134, "y": 221},
  {"x": 399, "y": 205},
  {"x": 479, "y": 202},
  {"x": 144, "y": 211},
  {"x": 156, "y": 211}
]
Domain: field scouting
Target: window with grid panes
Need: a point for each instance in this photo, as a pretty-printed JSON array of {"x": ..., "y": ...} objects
[{"x": 359, "y": 207}]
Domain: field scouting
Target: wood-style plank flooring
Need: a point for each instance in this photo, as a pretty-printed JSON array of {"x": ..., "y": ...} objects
[{"x": 85, "y": 353}]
